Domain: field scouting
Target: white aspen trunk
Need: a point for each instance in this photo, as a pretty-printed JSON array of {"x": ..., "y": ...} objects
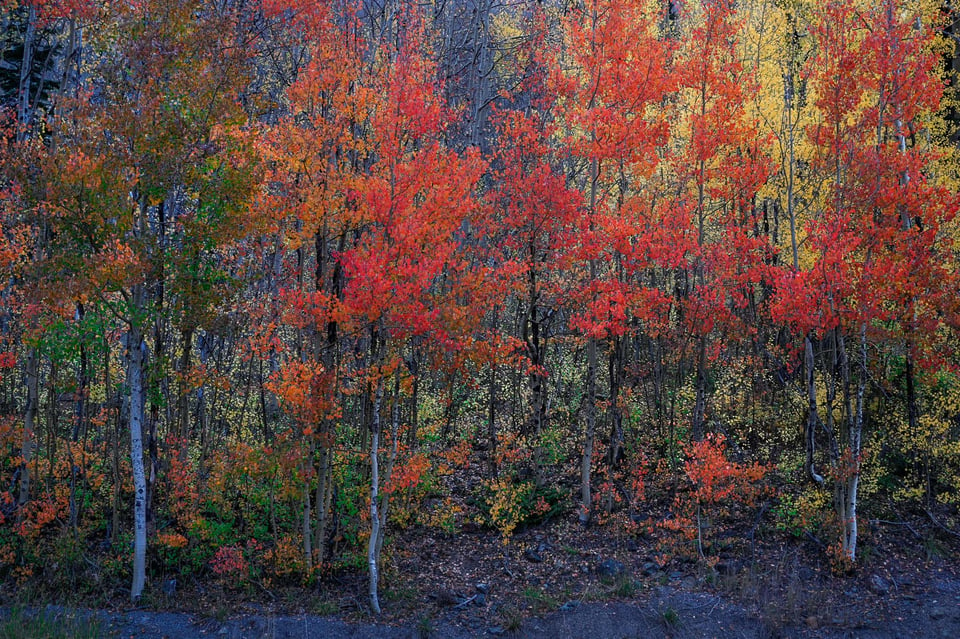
[
  {"x": 136, "y": 364},
  {"x": 394, "y": 452},
  {"x": 850, "y": 529},
  {"x": 856, "y": 434},
  {"x": 790, "y": 126},
  {"x": 372, "y": 559}
]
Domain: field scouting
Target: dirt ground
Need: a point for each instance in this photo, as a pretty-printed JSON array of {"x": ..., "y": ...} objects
[
  {"x": 663, "y": 612},
  {"x": 563, "y": 592},
  {"x": 559, "y": 580}
]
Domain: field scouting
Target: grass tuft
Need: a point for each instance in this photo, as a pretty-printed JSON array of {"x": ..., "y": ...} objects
[{"x": 22, "y": 624}]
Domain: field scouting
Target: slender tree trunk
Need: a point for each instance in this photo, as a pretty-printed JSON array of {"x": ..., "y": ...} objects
[
  {"x": 586, "y": 499},
  {"x": 813, "y": 418},
  {"x": 79, "y": 421},
  {"x": 323, "y": 494},
  {"x": 790, "y": 126},
  {"x": 29, "y": 422},
  {"x": 391, "y": 461},
  {"x": 307, "y": 535},
  {"x": 492, "y": 415},
  {"x": 590, "y": 427},
  {"x": 24, "y": 111},
  {"x": 32, "y": 374},
  {"x": 114, "y": 407},
  {"x": 136, "y": 365},
  {"x": 699, "y": 429},
  {"x": 535, "y": 349},
  {"x": 183, "y": 396},
  {"x": 849, "y": 481},
  {"x": 51, "y": 422},
  {"x": 615, "y": 371},
  {"x": 372, "y": 558},
  {"x": 414, "y": 426}
]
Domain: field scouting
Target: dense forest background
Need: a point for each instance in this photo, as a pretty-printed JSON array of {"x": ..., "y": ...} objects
[{"x": 276, "y": 273}]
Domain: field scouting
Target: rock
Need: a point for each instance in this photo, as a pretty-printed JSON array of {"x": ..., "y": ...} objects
[
  {"x": 445, "y": 598},
  {"x": 496, "y": 631},
  {"x": 483, "y": 588},
  {"x": 533, "y": 555},
  {"x": 879, "y": 585},
  {"x": 938, "y": 613},
  {"x": 676, "y": 574},
  {"x": 650, "y": 568},
  {"x": 611, "y": 568},
  {"x": 570, "y": 605},
  {"x": 480, "y": 600}
]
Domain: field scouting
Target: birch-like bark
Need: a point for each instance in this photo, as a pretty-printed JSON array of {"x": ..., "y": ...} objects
[
  {"x": 372, "y": 559},
  {"x": 136, "y": 364},
  {"x": 391, "y": 461}
]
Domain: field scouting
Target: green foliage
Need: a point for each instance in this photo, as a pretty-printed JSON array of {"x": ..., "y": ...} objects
[
  {"x": 670, "y": 618},
  {"x": 511, "y": 618},
  {"x": 922, "y": 464},
  {"x": 507, "y": 504},
  {"x": 425, "y": 626},
  {"x": 802, "y": 513},
  {"x": 624, "y": 586},
  {"x": 540, "y": 600},
  {"x": 21, "y": 624}
]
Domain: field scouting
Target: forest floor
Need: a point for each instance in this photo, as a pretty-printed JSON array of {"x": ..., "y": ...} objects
[
  {"x": 555, "y": 580},
  {"x": 626, "y": 578}
]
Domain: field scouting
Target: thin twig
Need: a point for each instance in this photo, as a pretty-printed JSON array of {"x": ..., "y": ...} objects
[
  {"x": 897, "y": 523},
  {"x": 941, "y": 526}
]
